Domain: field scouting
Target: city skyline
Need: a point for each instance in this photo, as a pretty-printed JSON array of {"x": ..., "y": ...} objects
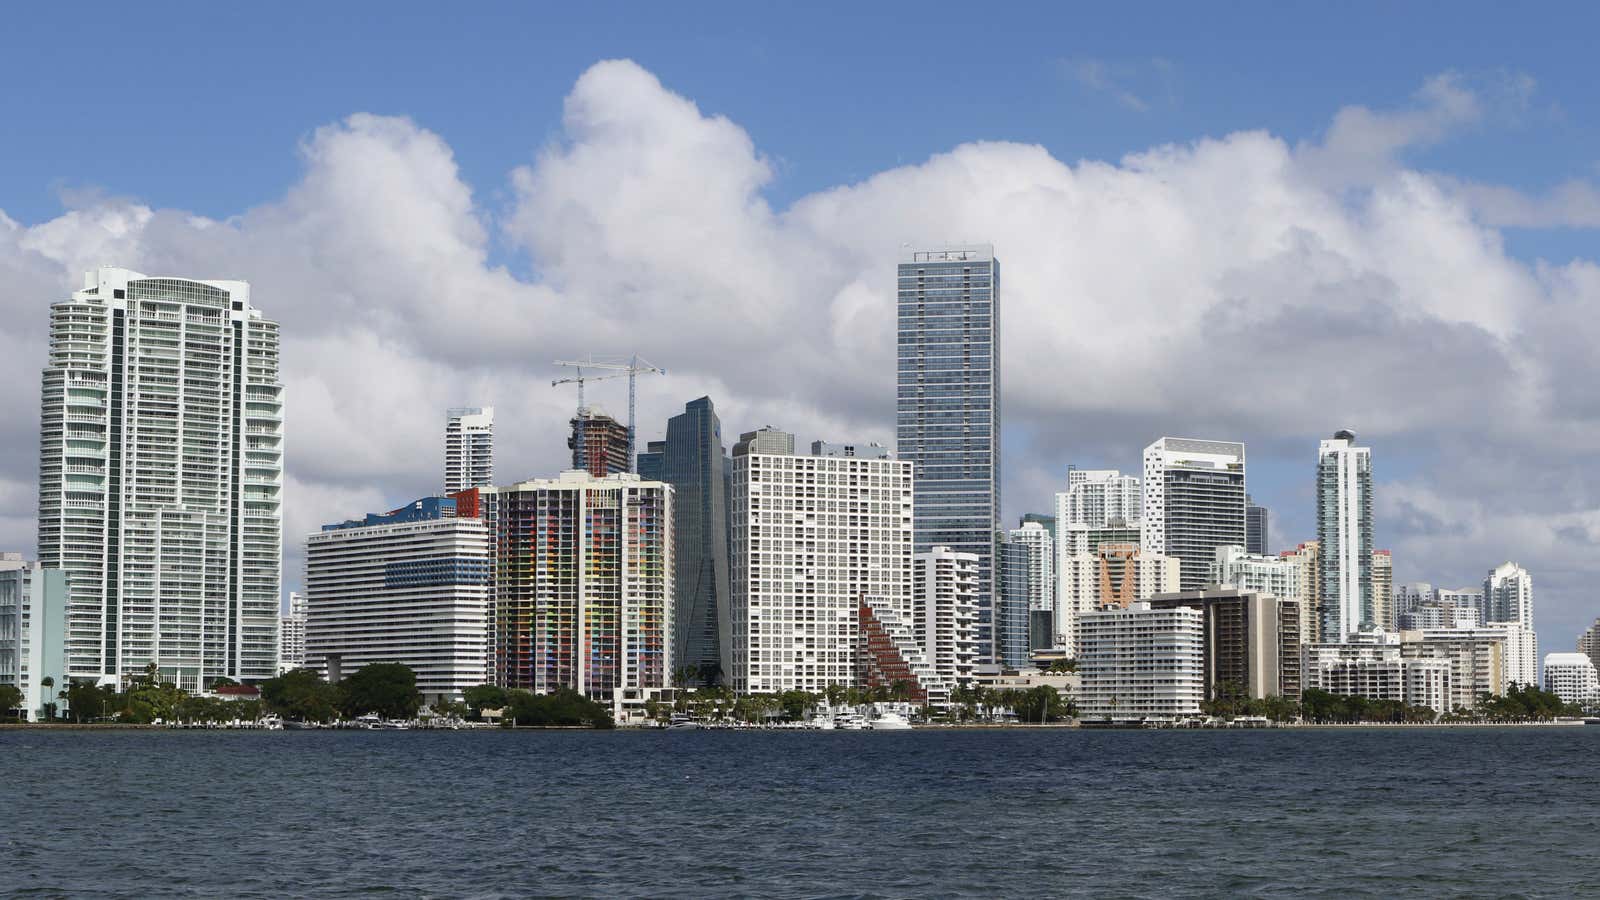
[{"x": 361, "y": 376}]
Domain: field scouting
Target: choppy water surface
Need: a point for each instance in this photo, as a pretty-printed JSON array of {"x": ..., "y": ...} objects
[{"x": 1485, "y": 812}]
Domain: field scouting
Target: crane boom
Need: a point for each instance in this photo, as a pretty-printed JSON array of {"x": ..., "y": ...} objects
[{"x": 632, "y": 367}]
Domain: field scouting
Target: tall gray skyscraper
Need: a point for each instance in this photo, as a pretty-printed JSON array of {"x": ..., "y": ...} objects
[
  {"x": 1344, "y": 533},
  {"x": 1193, "y": 503},
  {"x": 1255, "y": 527},
  {"x": 468, "y": 448},
  {"x": 160, "y": 478},
  {"x": 694, "y": 461},
  {"x": 949, "y": 406}
]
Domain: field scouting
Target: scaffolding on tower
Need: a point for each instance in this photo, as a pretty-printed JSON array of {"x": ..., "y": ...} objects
[{"x": 632, "y": 367}]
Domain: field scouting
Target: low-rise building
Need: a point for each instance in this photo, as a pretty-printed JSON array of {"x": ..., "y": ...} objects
[
  {"x": 1477, "y": 662},
  {"x": 1142, "y": 664},
  {"x": 33, "y": 632},
  {"x": 1571, "y": 676},
  {"x": 1371, "y": 665}
]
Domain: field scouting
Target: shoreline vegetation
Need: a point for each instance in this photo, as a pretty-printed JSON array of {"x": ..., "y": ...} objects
[{"x": 935, "y": 726}]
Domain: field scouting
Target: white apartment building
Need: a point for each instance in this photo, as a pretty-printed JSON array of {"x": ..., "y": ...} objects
[
  {"x": 468, "y": 448},
  {"x": 1114, "y": 574},
  {"x": 1508, "y": 595},
  {"x": 1383, "y": 613},
  {"x": 1142, "y": 664},
  {"x": 1344, "y": 537},
  {"x": 1193, "y": 503},
  {"x": 944, "y": 592},
  {"x": 811, "y": 536},
  {"x": 1371, "y": 664},
  {"x": 292, "y": 635},
  {"x": 1520, "y": 664},
  {"x": 1477, "y": 664},
  {"x": 1275, "y": 575},
  {"x": 33, "y": 631},
  {"x": 1096, "y": 497},
  {"x": 1571, "y": 676},
  {"x": 407, "y": 587},
  {"x": 161, "y": 478},
  {"x": 1306, "y": 558}
]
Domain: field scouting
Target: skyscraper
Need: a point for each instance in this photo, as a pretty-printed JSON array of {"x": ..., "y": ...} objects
[
  {"x": 1344, "y": 537},
  {"x": 1029, "y": 587},
  {"x": 160, "y": 478},
  {"x": 292, "y": 634},
  {"x": 694, "y": 461},
  {"x": 582, "y": 583},
  {"x": 1589, "y": 642},
  {"x": 1383, "y": 614},
  {"x": 948, "y": 398},
  {"x": 813, "y": 538},
  {"x": 468, "y": 448},
  {"x": 1193, "y": 503},
  {"x": 1097, "y": 497},
  {"x": 599, "y": 444},
  {"x": 1508, "y": 595},
  {"x": 1255, "y": 527}
]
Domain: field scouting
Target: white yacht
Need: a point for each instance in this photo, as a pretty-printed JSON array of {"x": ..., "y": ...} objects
[{"x": 890, "y": 721}]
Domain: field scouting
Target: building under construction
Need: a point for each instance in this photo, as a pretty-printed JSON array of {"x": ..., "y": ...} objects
[{"x": 599, "y": 444}]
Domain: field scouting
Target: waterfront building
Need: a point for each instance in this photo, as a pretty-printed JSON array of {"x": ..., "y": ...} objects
[
  {"x": 1477, "y": 662},
  {"x": 888, "y": 655},
  {"x": 292, "y": 634},
  {"x": 1370, "y": 664},
  {"x": 468, "y": 448},
  {"x": 1193, "y": 502},
  {"x": 695, "y": 462},
  {"x": 1252, "y": 641},
  {"x": 811, "y": 536},
  {"x": 944, "y": 590},
  {"x": 1095, "y": 497},
  {"x": 1508, "y": 595},
  {"x": 948, "y": 405},
  {"x": 1571, "y": 676},
  {"x": 1307, "y": 558},
  {"x": 1344, "y": 536},
  {"x": 1519, "y": 658},
  {"x": 1589, "y": 642},
  {"x": 582, "y": 584},
  {"x": 409, "y": 586},
  {"x": 160, "y": 474},
  {"x": 1383, "y": 614},
  {"x": 1142, "y": 663},
  {"x": 1255, "y": 527},
  {"x": 33, "y": 632},
  {"x": 1276, "y": 575},
  {"x": 1113, "y": 575},
  {"x": 599, "y": 444}
]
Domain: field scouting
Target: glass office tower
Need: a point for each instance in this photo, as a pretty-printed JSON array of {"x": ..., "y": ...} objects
[{"x": 949, "y": 406}]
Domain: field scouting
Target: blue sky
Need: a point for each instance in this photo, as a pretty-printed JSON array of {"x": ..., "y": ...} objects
[{"x": 838, "y": 119}]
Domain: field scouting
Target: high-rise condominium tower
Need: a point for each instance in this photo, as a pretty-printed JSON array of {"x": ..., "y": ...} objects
[
  {"x": 292, "y": 634},
  {"x": 1255, "y": 527},
  {"x": 160, "y": 478},
  {"x": 814, "y": 537},
  {"x": 694, "y": 461},
  {"x": 1193, "y": 503},
  {"x": 949, "y": 405},
  {"x": 582, "y": 583},
  {"x": 1344, "y": 537},
  {"x": 1508, "y": 595},
  {"x": 468, "y": 448},
  {"x": 1097, "y": 497}
]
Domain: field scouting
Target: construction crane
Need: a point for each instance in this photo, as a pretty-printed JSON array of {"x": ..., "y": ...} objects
[{"x": 632, "y": 367}]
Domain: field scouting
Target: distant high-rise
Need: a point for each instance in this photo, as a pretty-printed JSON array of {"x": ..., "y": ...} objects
[
  {"x": 292, "y": 634},
  {"x": 582, "y": 583},
  {"x": 160, "y": 478},
  {"x": 1096, "y": 497},
  {"x": 694, "y": 461},
  {"x": 468, "y": 448},
  {"x": 599, "y": 444},
  {"x": 949, "y": 405},
  {"x": 1383, "y": 614},
  {"x": 813, "y": 538},
  {"x": 1344, "y": 536},
  {"x": 1255, "y": 527},
  {"x": 1028, "y": 586},
  {"x": 1508, "y": 595},
  {"x": 1589, "y": 642},
  {"x": 1193, "y": 502}
]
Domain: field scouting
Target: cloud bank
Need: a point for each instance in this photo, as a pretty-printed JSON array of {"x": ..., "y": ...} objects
[{"x": 1233, "y": 287}]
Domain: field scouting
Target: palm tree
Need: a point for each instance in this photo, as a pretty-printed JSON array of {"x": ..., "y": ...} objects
[{"x": 46, "y": 708}]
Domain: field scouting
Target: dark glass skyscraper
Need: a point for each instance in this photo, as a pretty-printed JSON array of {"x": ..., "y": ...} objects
[
  {"x": 1255, "y": 527},
  {"x": 949, "y": 406},
  {"x": 692, "y": 459}
]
